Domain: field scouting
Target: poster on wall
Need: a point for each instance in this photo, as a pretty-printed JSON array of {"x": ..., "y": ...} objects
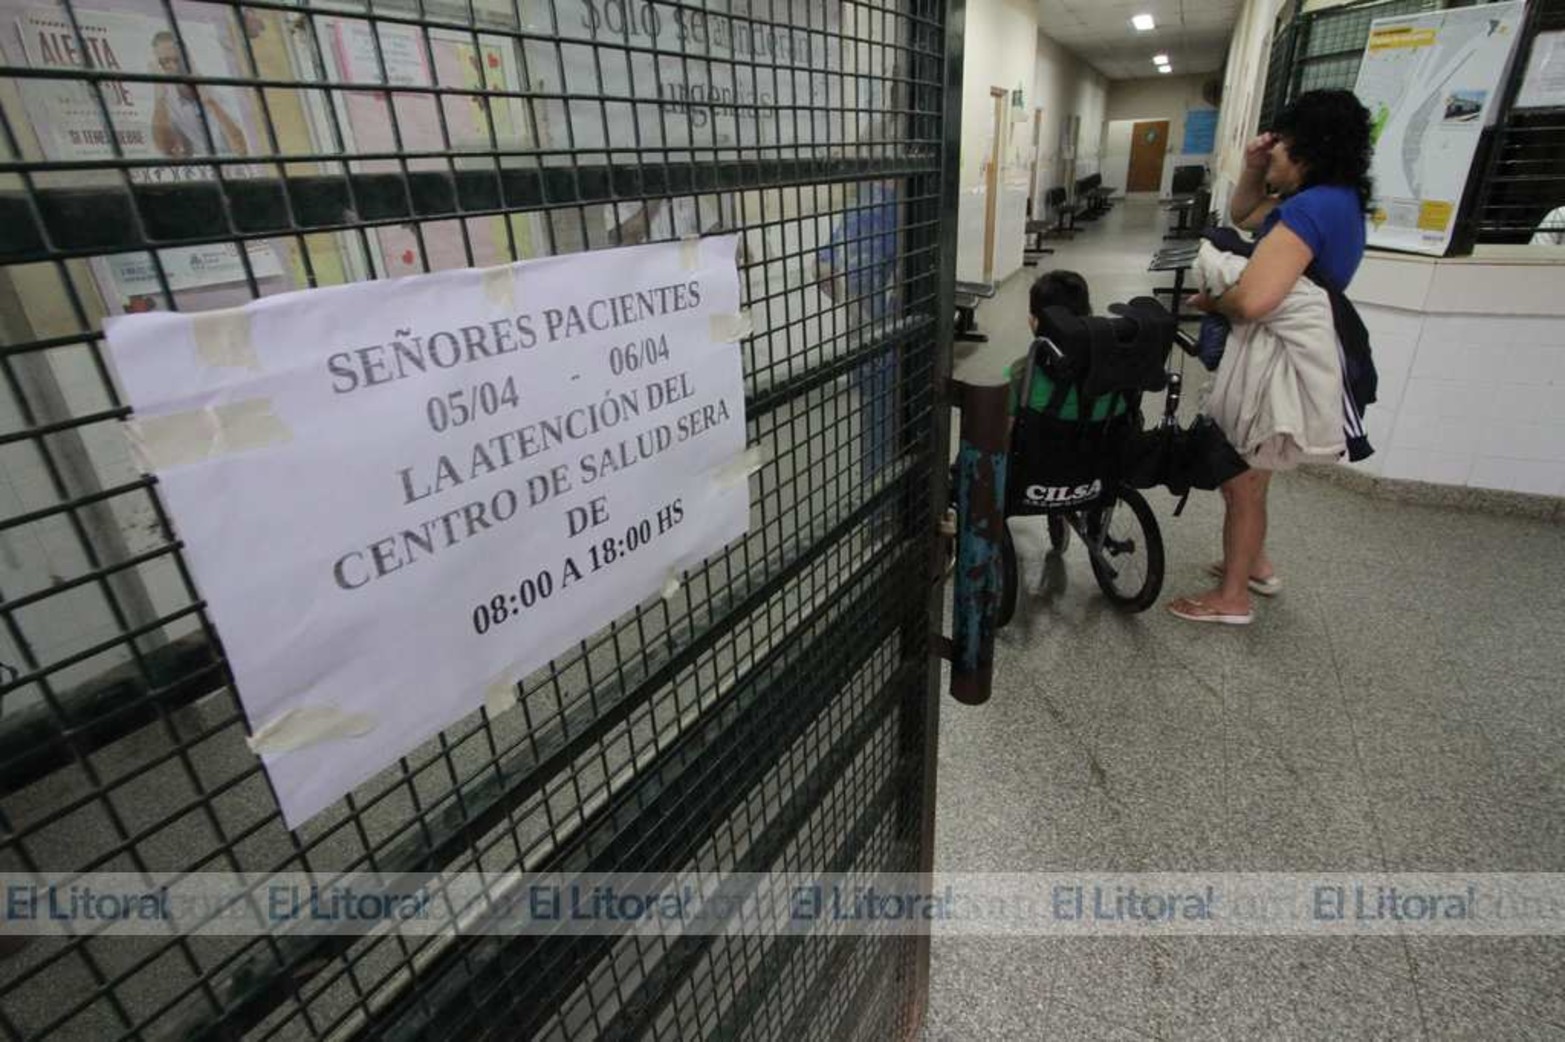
[
  {"x": 379, "y": 121},
  {"x": 147, "y": 120},
  {"x": 1431, "y": 83},
  {"x": 1200, "y": 132},
  {"x": 401, "y": 497}
]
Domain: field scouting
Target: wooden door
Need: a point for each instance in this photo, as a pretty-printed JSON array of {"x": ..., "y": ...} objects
[
  {"x": 1148, "y": 144},
  {"x": 992, "y": 178}
]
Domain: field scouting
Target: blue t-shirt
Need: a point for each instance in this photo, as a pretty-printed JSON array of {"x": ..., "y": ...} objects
[{"x": 1331, "y": 222}]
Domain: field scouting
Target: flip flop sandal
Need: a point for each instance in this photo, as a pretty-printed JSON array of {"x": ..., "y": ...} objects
[
  {"x": 1271, "y": 586},
  {"x": 1198, "y": 611}
]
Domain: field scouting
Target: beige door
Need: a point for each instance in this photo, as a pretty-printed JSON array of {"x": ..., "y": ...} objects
[{"x": 1148, "y": 143}]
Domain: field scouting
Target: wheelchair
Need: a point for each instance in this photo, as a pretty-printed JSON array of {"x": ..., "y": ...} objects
[{"x": 1070, "y": 472}]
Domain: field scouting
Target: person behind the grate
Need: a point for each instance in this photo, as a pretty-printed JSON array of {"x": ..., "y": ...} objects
[
  {"x": 857, "y": 271},
  {"x": 1068, "y": 290}
]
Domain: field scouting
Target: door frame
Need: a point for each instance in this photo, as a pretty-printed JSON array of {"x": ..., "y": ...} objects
[
  {"x": 1033, "y": 195},
  {"x": 998, "y": 97}
]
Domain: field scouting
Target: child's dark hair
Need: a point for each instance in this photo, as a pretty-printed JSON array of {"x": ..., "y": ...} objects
[
  {"x": 1328, "y": 132},
  {"x": 1059, "y": 289}
]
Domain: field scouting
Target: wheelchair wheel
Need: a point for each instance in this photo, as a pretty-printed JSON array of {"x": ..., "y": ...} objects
[
  {"x": 1126, "y": 547},
  {"x": 1010, "y": 578}
]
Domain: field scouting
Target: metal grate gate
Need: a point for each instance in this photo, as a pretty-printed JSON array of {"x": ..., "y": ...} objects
[
  {"x": 1321, "y": 50},
  {"x": 1517, "y": 200},
  {"x": 776, "y": 714}
]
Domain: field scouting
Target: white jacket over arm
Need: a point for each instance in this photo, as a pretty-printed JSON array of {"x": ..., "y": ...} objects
[{"x": 1277, "y": 394}]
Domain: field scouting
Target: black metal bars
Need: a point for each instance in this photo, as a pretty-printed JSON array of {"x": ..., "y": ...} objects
[{"x": 394, "y": 138}]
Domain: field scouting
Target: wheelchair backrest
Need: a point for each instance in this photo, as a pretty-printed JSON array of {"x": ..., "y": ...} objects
[{"x": 1102, "y": 354}]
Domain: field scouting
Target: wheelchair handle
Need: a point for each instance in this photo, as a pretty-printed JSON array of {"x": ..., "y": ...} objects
[{"x": 1043, "y": 344}]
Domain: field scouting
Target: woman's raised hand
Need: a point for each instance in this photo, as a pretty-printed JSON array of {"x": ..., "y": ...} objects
[{"x": 1258, "y": 153}]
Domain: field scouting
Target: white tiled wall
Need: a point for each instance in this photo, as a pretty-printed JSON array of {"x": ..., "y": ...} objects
[{"x": 1469, "y": 399}]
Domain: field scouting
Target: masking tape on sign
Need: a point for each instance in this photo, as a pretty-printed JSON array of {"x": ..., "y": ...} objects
[
  {"x": 742, "y": 466},
  {"x": 500, "y": 695},
  {"x": 690, "y": 252},
  {"x": 182, "y": 438},
  {"x": 500, "y": 287},
  {"x": 309, "y": 725},
  {"x": 731, "y": 328},
  {"x": 223, "y": 339}
]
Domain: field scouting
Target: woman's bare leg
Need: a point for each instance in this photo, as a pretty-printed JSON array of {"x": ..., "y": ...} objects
[{"x": 1244, "y": 540}]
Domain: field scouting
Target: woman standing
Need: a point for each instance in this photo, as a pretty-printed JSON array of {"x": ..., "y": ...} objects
[{"x": 1306, "y": 188}]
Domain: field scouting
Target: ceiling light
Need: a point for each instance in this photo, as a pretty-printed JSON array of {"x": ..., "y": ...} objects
[
  {"x": 1160, "y": 59},
  {"x": 1143, "y": 23},
  {"x": 1165, "y": 68}
]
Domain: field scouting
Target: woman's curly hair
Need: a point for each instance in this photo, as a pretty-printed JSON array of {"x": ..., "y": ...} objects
[{"x": 1328, "y": 132}]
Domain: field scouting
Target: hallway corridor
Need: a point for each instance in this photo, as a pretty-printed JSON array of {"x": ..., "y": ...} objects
[{"x": 1398, "y": 707}]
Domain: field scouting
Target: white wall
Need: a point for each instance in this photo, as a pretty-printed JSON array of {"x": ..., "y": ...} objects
[
  {"x": 1004, "y": 48},
  {"x": 1471, "y": 356},
  {"x": 1157, "y": 97},
  {"x": 1117, "y": 135},
  {"x": 999, "y": 49},
  {"x": 1000, "y": 46},
  {"x": 1063, "y": 86},
  {"x": 1092, "y": 106}
]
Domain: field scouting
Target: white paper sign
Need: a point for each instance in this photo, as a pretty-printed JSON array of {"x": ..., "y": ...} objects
[
  {"x": 400, "y": 496},
  {"x": 1544, "y": 85}
]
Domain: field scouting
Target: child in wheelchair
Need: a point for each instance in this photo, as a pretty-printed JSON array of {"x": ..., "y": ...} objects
[
  {"x": 1075, "y": 405},
  {"x": 1056, "y": 289}
]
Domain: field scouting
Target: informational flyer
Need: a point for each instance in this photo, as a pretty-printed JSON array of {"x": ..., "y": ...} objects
[
  {"x": 147, "y": 120},
  {"x": 1543, "y": 87},
  {"x": 401, "y": 497},
  {"x": 460, "y": 130},
  {"x": 1431, "y": 83}
]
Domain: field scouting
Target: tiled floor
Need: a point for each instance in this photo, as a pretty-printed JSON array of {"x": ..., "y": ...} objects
[{"x": 1399, "y": 707}]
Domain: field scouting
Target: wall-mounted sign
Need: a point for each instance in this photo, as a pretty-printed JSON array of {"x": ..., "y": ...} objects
[
  {"x": 400, "y": 497},
  {"x": 1431, "y": 83},
  {"x": 1200, "y": 131}
]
